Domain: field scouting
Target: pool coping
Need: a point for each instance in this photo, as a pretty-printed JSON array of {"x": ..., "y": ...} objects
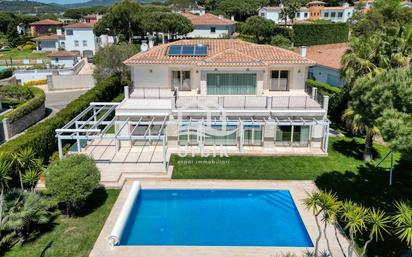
[{"x": 297, "y": 190}]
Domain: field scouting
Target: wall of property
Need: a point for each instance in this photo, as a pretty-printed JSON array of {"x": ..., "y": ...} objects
[
  {"x": 8, "y": 81},
  {"x": 65, "y": 62},
  {"x": 205, "y": 31},
  {"x": 10, "y": 129},
  {"x": 61, "y": 82},
  {"x": 26, "y": 75},
  {"x": 326, "y": 75},
  {"x": 83, "y": 34}
]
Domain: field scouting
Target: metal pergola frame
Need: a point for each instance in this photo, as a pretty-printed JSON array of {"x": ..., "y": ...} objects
[{"x": 95, "y": 121}]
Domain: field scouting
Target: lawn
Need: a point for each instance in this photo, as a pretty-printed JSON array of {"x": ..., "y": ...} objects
[
  {"x": 21, "y": 54},
  {"x": 342, "y": 171},
  {"x": 72, "y": 237}
]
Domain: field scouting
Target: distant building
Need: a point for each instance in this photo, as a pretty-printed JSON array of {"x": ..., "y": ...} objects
[
  {"x": 81, "y": 38},
  {"x": 210, "y": 26},
  {"x": 45, "y": 27},
  {"x": 328, "y": 62},
  {"x": 63, "y": 59},
  {"x": 48, "y": 43},
  {"x": 273, "y": 13},
  {"x": 337, "y": 13},
  {"x": 92, "y": 18}
]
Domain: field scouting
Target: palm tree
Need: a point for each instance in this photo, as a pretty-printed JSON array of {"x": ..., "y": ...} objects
[
  {"x": 31, "y": 177},
  {"x": 330, "y": 206},
  {"x": 378, "y": 223},
  {"x": 354, "y": 216},
  {"x": 24, "y": 161},
  {"x": 355, "y": 122},
  {"x": 403, "y": 222},
  {"x": 5, "y": 166},
  {"x": 313, "y": 204}
]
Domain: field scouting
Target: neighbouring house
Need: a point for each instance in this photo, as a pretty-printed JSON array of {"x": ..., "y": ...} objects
[
  {"x": 63, "y": 59},
  {"x": 328, "y": 62},
  {"x": 45, "y": 27},
  {"x": 92, "y": 18},
  {"x": 21, "y": 29},
  {"x": 313, "y": 11},
  {"x": 49, "y": 43},
  {"x": 406, "y": 4},
  {"x": 210, "y": 26},
  {"x": 202, "y": 95},
  {"x": 273, "y": 13},
  {"x": 68, "y": 21},
  {"x": 80, "y": 37}
]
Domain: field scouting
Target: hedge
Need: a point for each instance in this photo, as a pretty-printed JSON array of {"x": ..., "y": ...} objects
[
  {"x": 27, "y": 107},
  {"x": 7, "y": 73},
  {"x": 324, "y": 87},
  {"x": 307, "y": 34},
  {"x": 35, "y": 82},
  {"x": 41, "y": 137}
]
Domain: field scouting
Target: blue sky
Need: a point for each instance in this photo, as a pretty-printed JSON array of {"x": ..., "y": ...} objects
[{"x": 62, "y": 1}]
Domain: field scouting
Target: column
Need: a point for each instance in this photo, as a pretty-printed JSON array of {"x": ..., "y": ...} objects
[{"x": 269, "y": 135}]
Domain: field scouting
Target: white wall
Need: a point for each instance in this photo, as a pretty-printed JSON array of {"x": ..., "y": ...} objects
[
  {"x": 204, "y": 31},
  {"x": 326, "y": 75},
  {"x": 80, "y": 34},
  {"x": 67, "y": 62},
  {"x": 346, "y": 14},
  {"x": 270, "y": 14},
  {"x": 25, "y": 76}
]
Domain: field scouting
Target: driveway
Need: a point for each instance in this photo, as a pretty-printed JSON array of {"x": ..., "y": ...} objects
[{"x": 57, "y": 100}]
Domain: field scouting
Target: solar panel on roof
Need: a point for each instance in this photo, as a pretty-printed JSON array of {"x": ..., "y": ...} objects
[{"x": 187, "y": 50}]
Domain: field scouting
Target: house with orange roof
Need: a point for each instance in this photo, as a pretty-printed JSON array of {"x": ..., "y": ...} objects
[
  {"x": 328, "y": 62},
  {"x": 63, "y": 59},
  {"x": 210, "y": 26},
  {"x": 204, "y": 95},
  {"x": 45, "y": 27}
]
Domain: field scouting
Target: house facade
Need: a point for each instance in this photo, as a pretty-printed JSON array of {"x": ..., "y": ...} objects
[
  {"x": 207, "y": 94},
  {"x": 63, "y": 59},
  {"x": 44, "y": 27},
  {"x": 210, "y": 26},
  {"x": 337, "y": 13},
  {"x": 273, "y": 13}
]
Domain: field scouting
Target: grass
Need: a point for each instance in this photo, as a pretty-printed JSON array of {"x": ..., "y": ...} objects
[
  {"x": 72, "y": 237},
  {"x": 343, "y": 171},
  {"x": 14, "y": 53},
  {"x": 345, "y": 154}
]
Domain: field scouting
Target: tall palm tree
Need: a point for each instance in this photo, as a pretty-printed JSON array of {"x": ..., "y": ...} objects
[
  {"x": 331, "y": 207},
  {"x": 357, "y": 125},
  {"x": 5, "y": 166},
  {"x": 313, "y": 204},
  {"x": 354, "y": 216},
  {"x": 403, "y": 222}
]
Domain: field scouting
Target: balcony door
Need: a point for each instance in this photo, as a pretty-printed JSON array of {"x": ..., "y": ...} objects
[
  {"x": 181, "y": 80},
  {"x": 279, "y": 80},
  {"x": 231, "y": 84}
]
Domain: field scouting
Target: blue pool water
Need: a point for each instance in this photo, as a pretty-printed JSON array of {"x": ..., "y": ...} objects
[{"x": 215, "y": 218}]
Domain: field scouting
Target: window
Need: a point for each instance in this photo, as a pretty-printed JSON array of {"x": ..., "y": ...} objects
[
  {"x": 279, "y": 80},
  {"x": 326, "y": 14},
  {"x": 298, "y": 15},
  {"x": 181, "y": 80},
  {"x": 212, "y": 29},
  {"x": 262, "y": 14},
  {"x": 333, "y": 14},
  {"x": 340, "y": 14},
  {"x": 252, "y": 135},
  {"x": 69, "y": 32},
  {"x": 56, "y": 59},
  {"x": 306, "y": 14},
  {"x": 76, "y": 42},
  {"x": 84, "y": 42},
  {"x": 292, "y": 135},
  {"x": 349, "y": 14},
  {"x": 231, "y": 83}
]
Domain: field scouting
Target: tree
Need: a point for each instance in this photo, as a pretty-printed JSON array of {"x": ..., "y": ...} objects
[
  {"x": 169, "y": 23},
  {"x": 289, "y": 11},
  {"x": 5, "y": 177},
  {"x": 330, "y": 209},
  {"x": 378, "y": 223},
  {"x": 25, "y": 211},
  {"x": 403, "y": 222},
  {"x": 258, "y": 26},
  {"x": 72, "y": 180},
  {"x": 281, "y": 41},
  {"x": 26, "y": 161},
  {"x": 109, "y": 60},
  {"x": 12, "y": 35},
  {"x": 313, "y": 204},
  {"x": 241, "y": 9}
]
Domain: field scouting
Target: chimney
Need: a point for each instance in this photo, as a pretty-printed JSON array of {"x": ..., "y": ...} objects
[
  {"x": 151, "y": 43},
  {"x": 302, "y": 51}
]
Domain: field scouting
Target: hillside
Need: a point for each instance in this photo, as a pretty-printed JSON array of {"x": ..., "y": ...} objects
[
  {"x": 92, "y": 3},
  {"x": 29, "y": 7}
]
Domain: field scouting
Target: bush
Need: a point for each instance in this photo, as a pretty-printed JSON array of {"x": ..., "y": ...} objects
[
  {"x": 27, "y": 107},
  {"x": 306, "y": 34},
  {"x": 71, "y": 180},
  {"x": 41, "y": 137},
  {"x": 35, "y": 82},
  {"x": 29, "y": 46},
  {"x": 7, "y": 73},
  {"x": 281, "y": 41},
  {"x": 324, "y": 87}
]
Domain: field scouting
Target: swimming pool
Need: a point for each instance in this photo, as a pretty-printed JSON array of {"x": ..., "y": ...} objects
[{"x": 205, "y": 217}]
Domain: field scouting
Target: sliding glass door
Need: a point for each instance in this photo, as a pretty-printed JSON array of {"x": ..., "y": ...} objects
[
  {"x": 252, "y": 135},
  {"x": 181, "y": 80},
  {"x": 292, "y": 135},
  {"x": 231, "y": 84}
]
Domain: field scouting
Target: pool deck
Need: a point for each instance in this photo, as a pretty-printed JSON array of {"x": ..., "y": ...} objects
[{"x": 297, "y": 189}]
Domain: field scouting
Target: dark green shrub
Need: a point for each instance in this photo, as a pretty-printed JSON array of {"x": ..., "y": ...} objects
[
  {"x": 28, "y": 106},
  {"x": 281, "y": 41},
  {"x": 6, "y": 73},
  {"x": 324, "y": 87},
  {"x": 306, "y": 34},
  {"x": 41, "y": 137},
  {"x": 71, "y": 180}
]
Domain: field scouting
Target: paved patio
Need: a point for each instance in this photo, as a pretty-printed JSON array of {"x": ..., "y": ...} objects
[{"x": 297, "y": 189}]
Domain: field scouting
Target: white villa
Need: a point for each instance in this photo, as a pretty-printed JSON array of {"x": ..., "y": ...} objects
[
  {"x": 210, "y": 26},
  {"x": 207, "y": 93},
  {"x": 273, "y": 13}
]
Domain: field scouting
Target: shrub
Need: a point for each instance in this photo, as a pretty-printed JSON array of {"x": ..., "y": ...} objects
[
  {"x": 35, "y": 82},
  {"x": 41, "y": 137},
  {"x": 281, "y": 41},
  {"x": 306, "y": 34},
  {"x": 27, "y": 107},
  {"x": 71, "y": 180},
  {"x": 324, "y": 87},
  {"x": 7, "y": 73},
  {"x": 29, "y": 46},
  {"x": 17, "y": 92}
]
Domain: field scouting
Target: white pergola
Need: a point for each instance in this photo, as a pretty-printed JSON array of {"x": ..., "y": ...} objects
[{"x": 98, "y": 120}]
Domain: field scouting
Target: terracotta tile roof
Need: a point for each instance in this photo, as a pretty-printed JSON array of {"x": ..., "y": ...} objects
[
  {"x": 46, "y": 22},
  {"x": 52, "y": 37},
  {"x": 81, "y": 25},
  {"x": 207, "y": 19},
  {"x": 327, "y": 55},
  {"x": 221, "y": 52},
  {"x": 63, "y": 54}
]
